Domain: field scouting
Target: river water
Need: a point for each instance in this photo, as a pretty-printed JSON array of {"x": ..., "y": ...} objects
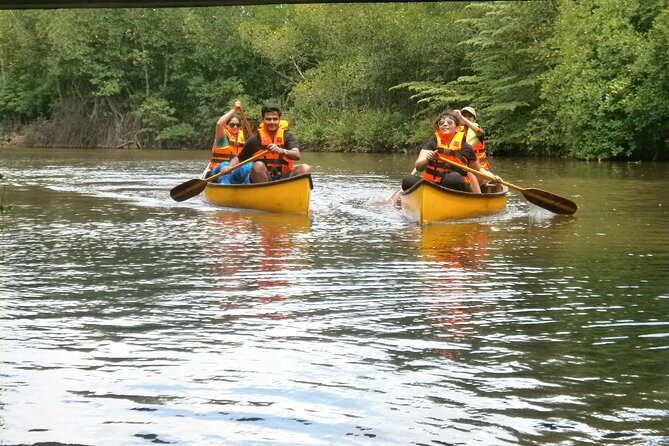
[{"x": 131, "y": 319}]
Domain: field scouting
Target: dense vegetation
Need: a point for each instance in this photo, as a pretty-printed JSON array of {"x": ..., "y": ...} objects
[{"x": 582, "y": 78}]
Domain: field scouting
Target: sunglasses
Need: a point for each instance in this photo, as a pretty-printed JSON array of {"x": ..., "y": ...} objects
[
  {"x": 235, "y": 124},
  {"x": 446, "y": 122}
]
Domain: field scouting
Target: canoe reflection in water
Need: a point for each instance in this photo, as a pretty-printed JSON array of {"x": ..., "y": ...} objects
[
  {"x": 456, "y": 254},
  {"x": 261, "y": 259}
]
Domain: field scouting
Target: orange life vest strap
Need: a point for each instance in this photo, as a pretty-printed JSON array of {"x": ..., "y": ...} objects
[
  {"x": 277, "y": 165},
  {"x": 478, "y": 145},
  {"x": 226, "y": 148}
]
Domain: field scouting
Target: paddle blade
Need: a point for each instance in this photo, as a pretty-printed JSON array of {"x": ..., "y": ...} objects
[
  {"x": 187, "y": 190},
  {"x": 395, "y": 196},
  {"x": 552, "y": 202}
]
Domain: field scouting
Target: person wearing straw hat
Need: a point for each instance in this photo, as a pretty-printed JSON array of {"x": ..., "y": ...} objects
[{"x": 475, "y": 134}]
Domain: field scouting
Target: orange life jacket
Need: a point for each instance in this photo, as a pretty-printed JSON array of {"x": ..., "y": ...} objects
[
  {"x": 276, "y": 164},
  {"x": 478, "y": 146},
  {"x": 452, "y": 150},
  {"x": 225, "y": 148}
]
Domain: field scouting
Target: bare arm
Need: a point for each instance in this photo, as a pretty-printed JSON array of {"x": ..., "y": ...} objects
[
  {"x": 421, "y": 161},
  {"x": 428, "y": 152},
  {"x": 474, "y": 181},
  {"x": 471, "y": 124},
  {"x": 292, "y": 154},
  {"x": 223, "y": 120},
  {"x": 475, "y": 165}
]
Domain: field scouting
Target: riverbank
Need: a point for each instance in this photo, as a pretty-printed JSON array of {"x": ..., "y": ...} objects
[
  {"x": 42, "y": 134},
  {"x": 31, "y": 140}
]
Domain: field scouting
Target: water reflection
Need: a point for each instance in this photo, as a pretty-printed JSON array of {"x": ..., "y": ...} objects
[
  {"x": 259, "y": 251},
  {"x": 456, "y": 245},
  {"x": 457, "y": 252},
  {"x": 278, "y": 243},
  {"x": 130, "y": 319},
  {"x": 227, "y": 245}
]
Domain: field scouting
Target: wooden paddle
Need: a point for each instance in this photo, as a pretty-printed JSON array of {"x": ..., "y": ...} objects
[
  {"x": 395, "y": 196},
  {"x": 246, "y": 123},
  {"x": 193, "y": 187},
  {"x": 541, "y": 198}
]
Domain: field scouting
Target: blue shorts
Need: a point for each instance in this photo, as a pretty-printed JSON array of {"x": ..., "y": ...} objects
[{"x": 241, "y": 175}]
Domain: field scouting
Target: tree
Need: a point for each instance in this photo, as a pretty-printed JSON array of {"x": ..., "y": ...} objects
[
  {"x": 609, "y": 73},
  {"x": 502, "y": 58}
]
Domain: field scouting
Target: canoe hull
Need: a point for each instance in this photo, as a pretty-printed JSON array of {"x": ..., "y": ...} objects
[
  {"x": 427, "y": 202},
  {"x": 290, "y": 195}
]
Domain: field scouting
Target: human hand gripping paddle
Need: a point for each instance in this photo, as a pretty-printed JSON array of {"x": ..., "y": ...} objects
[
  {"x": 541, "y": 198},
  {"x": 193, "y": 187}
]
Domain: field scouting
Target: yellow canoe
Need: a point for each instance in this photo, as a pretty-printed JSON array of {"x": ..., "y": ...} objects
[
  {"x": 290, "y": 195},
  {"x": 428, "y": 202}
]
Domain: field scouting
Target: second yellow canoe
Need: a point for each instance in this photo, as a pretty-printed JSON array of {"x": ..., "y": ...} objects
[{"x": 428, "y": 202}]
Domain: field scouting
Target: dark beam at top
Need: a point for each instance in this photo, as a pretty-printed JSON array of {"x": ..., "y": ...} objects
[{"x": 54, "y": 4}]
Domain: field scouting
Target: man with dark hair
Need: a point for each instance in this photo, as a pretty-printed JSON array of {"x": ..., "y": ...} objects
[{"x": 281, "y": 145}]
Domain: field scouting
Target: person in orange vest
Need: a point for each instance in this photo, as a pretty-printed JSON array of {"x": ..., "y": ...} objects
[
  {"x": 475, "y": 134},
  {"x": 449, "y": 141},
  {"x": 228, "y": 142},
  {"x": 282, "y": 146}
]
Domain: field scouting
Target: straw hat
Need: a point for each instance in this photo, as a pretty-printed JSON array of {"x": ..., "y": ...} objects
[{"x": 469, "y": 110}]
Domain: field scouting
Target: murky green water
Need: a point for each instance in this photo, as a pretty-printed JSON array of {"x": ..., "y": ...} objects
[{"x": 128, "y": 318}]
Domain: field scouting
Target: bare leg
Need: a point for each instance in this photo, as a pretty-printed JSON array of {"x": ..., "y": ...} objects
[
  {"x": 474, "y": 183},
  {"x": 299, "y": 170},
  {"x": 259, "y": 173}
]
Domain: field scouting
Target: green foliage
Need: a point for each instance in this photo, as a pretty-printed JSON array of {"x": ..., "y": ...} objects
[
  {"x": 361, "y": 52},
  {"x": 498, "y": 73},
  {"x": 604, "y": 65},
  {"x": 156, "y": 116},
  {"x": 434, "y": 96},
  {"x": 176, "y": 133},
  {"x": 353, "y": 131},
  {"x": 585, "y": 78},
  {"x": 25, "y": 87},
  {"x": 651, "y": 101}
]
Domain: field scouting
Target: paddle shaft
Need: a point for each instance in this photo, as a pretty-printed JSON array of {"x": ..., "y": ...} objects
[
  {"x": 246, "y": 122},
  {"x": 193, "y": 187},
  {"x": 237, "y": 166},
  {"x": 481, "y": 173},
  {"x": 546, "y": 200},
  {"x": 395, "y": 196}
]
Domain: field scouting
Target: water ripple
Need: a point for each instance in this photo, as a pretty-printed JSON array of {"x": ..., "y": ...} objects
[{"x": 129, "y": 318}]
